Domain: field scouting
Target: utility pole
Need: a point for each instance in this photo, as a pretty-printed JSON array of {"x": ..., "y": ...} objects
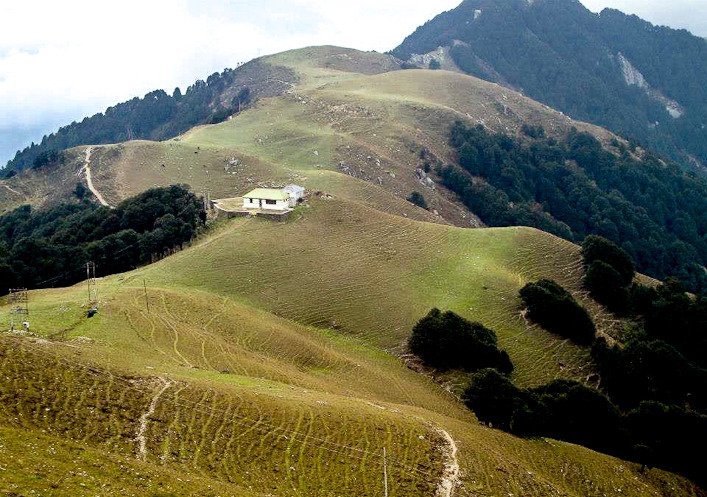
[
  {"x": 147, "y": 301},
  {"x": 19, "y": 307},
  {"x": 92, "y": 289},
  {"x": 92, "y": 284},
  {"x": 385, "y": 475}
]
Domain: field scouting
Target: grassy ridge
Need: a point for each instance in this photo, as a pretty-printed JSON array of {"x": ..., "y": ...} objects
[
  {"x": 252, "y": 395},
  {"x": 349, "y": 125},
  {"x": 265, "y": 348},
  {"x": 346, "y": 267}
]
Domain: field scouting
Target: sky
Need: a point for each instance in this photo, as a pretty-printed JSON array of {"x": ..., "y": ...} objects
[{"x": 63, "y": 60}]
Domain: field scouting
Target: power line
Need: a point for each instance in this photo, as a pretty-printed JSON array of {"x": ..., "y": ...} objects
[
  {"x": 385, "y": 474},
  {"x": 18, "y": 299},
  {"x": 92, "y": 285}
]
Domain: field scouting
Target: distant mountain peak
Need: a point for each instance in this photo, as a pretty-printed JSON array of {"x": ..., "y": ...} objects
[{"x": 612, "y": 69}]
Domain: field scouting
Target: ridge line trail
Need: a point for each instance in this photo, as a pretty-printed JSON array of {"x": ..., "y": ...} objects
[
  {"x": 140, "y": 437},
  {"x": 87, "y": 172},
  {"x": 450, "y": 476},
  {"x": 11, "y": 189}
]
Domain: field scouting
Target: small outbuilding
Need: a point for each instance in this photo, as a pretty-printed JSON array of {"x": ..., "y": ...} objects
[
  {"x": 295, "y": 192},
  {"x": 267, "y": 199}
]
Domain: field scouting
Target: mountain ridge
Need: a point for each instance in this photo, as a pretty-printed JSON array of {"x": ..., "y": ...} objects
[
  {"x": 560, "y": 53},
  {"x": 271, "y": 356}
]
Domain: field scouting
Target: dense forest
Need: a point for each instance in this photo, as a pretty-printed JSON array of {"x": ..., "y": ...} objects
[
  {"x": 40, "y": 248},
  {"x": 575, "y": 188},
  {"x": 561, "y": 54},
  {"x": 159, "y": 116},
  {"x": 652, "y": 407}
]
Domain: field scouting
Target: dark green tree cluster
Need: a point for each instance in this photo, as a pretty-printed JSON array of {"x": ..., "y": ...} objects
[
  {"x": 48, "y": 158},
  {"x": 666, "y": 313},
  {"x": 562, "y": 409},
  {"x": 656, "y": 380},
  {"x": 445, "y": 340},
  {"x": 554, "y": 308},
  {"x": 565, "y": 56},
  {"x": 156, "y": 116},
  {"x": 50, "y": 247},
  {"x": 664, "y": 358},
  {"x": 647, "y": 369},
  {"x": 418, "y": 199},
  {"x": 609, "y": 273},
  {"x": 653, "y": 434},
  {"x": 575, "y": 188},
  {"x": 670, "y": 314}
]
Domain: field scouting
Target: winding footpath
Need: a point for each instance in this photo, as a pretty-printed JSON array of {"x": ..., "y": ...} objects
[
  {"x": 142, "y": 427},
  {"x": 450, "y": 475},
  {"x": 11, "y": 189},
  {"x": 87, "y": 172}
]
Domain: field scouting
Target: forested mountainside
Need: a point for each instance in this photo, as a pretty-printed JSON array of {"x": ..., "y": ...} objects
[
  {"x": 40, "y": 248},
  {"x": 159, "y": 116},
  {"x": 574, "y": 188},
  {"x": 641, "y": 81}
]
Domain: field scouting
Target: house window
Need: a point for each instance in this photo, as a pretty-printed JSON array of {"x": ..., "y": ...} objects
[{"x": 271, "y": 202}]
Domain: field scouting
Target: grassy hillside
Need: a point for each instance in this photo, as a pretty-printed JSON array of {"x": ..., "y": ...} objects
[
  {"x": 37, "y": 464},
  {"x": 267, "y": 358},
  {"x": 346, "y": 267},
  {"x": 348, "y": 121},
  {"x": 228, "y": 356}
]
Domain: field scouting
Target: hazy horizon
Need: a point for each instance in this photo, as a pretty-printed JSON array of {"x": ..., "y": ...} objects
[{"x": 72, "y": 62}]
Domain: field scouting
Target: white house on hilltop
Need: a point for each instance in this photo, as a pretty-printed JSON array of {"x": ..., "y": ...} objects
[
  {"x": 273, "y": 199},
  {"x": 266, "y": 199}
]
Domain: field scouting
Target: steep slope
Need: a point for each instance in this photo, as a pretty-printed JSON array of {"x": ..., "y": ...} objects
[
  {"x": 354, "y": 127},
  {"x": 348, "y": 123},
  {"x": 185, "y": 366},
  {"x": 158, "y": 116},
  {"x": 611, "y": 69}
]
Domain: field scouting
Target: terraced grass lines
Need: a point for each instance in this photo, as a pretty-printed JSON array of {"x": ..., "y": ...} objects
[
  {"x": 252, "y": 386},
  {"x": 34, "y": 463},
  {"x": 348, "y": 268},
  {"x": 255, "y": 440}
]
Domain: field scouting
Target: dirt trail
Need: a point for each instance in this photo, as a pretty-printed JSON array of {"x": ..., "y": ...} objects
[
  {"x": 450, "y": 475},
  {"x": 140, "y": 437},
  {"x": 11, "y": 189},
  {"x": 87, "y": 172}
]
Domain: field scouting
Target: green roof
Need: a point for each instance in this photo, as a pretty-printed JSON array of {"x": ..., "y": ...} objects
[{"x": 267, "y": 194}]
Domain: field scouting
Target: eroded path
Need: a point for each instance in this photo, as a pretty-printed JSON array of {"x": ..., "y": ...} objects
[
  {"x": 450, "y": 475},
  {"x": 10, "y": 189},
  {"x": 142, "y": 427},
  {"x": 87, "y": 172}
]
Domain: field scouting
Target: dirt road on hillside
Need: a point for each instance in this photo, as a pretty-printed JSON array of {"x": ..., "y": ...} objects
[{"x": 87, "y": 172}]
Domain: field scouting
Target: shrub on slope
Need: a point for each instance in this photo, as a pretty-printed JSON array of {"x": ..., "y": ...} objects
[
  {"x": 445, "y": 340},
  {"x": 553, "y": 308}
]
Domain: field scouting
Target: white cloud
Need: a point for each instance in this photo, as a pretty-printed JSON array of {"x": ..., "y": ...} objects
[
  {"x": 685, "y": 14},
  {"x": 79, "y": 56},
  {"x": 62, "y": 60}
]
